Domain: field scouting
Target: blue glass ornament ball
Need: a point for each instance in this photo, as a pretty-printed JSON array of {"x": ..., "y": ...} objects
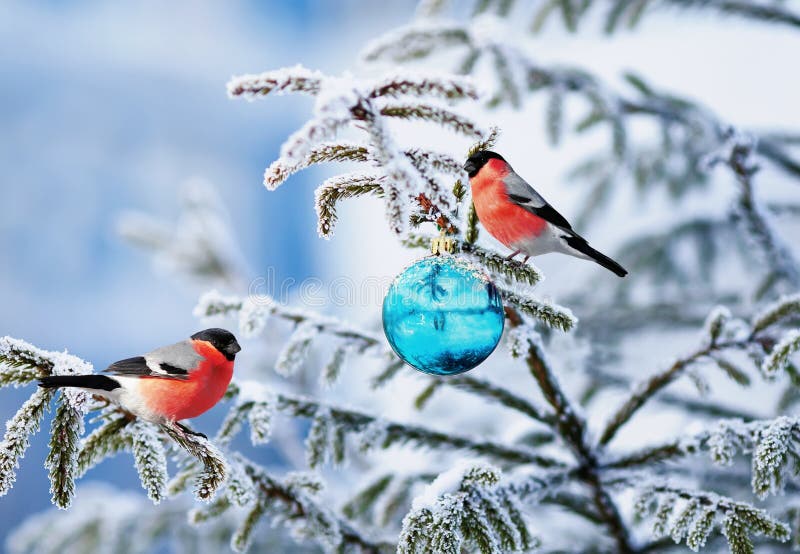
[{"x": 443, "y": 316}]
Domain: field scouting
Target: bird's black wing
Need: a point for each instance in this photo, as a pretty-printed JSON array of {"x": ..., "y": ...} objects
[{"x": 523, "y": 195}]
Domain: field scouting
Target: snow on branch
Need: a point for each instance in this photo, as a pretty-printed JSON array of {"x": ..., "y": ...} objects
[
  {"x": 553, "y": 315},
  {"x": 335, "y": 189},
  {"x": 332, "y": 425},
  {"x": 254, "y": 312},
  {"x": 448, "y": 87},
  {"x": 215, "y": 468},
  {"x": 495, "y": 264},
  {"x": 281, "y": 81},
  {"x": 405, "y": 179},
  {"x": 720, "y": 333},
  {"x": 434, "y": 114},
  {"x": 773, "y": 446},
  {"x": 614, "y": 14},
  {"x": 21, "y": 363},
  {"x": 279, "y": 170},
  {"x": 466, "y": 506},
  {"x": 294, "y": 501},
  {"x": 785, "y": 308},
  {"x": 691, "y": 516},
  {"x": 135, "y": 525}
]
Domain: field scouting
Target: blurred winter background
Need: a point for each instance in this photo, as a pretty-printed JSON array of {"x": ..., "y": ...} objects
[{"x": 108, "y": 108}]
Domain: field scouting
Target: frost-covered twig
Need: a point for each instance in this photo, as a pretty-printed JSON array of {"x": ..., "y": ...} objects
[
  {"x": 700, "y": 512},
  {"x": 571, "y": 427},
  {"x": 493, "y": 262},
  {"x": 774, "y": 445},
  {"x": 294, "y": 500},
  {"x": 466, "y": 506},
  {"x": 721, "y": 333},
  {"x": 496, "y": 393},
  {"x": 377, "y": 432},
  {"x": 404, "y": 178},
  {"x": 781, "y": 260}
]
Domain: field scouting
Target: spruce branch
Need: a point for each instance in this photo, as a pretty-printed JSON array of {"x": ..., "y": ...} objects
[
  {"x": 769, "y": 13},
  {"x": 648, "y": 388},
  {"x": 445, "y": 118},
  {"x": 495, "y": 393},
  {"x": 774, "y": 446},
  {"x": 282, "y": 81},
  {"x": 628, "y": 13},
  {"x": 16, "y": 439},
  {"x": 306, "y": 515},
  {"x": 493, "y": 262},
  {"x": 106, "y": 440},
  {"x": 572, "y": 430},
  {"x": 700, "y": 512},
  {"x": 61, "y": 461},
  {"x": 448, "y": 88},
  {"x": 330, "y": 192},
  {"x": 390, "y": 433},
  {"x": 781, "y": 259},
  {"x": 478, "y": 512},
  {"x": 21, "y": 363},
  {"x": 279, "y": 170},
  {"x": 778, "y": 359},
  {"x": 149, "y": 458},
  {"x": 215, "y": 469},
  {"x": 198, "y": 245},
  {"x": 786, "y": 307},
  {"x": 552, "y": 315},
  {"x": 212, "y": 303}
]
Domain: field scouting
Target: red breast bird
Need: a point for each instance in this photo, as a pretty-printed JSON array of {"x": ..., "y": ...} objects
[
  {"x": 519, "y": 217},
  {"x": 171, "y": 383}
]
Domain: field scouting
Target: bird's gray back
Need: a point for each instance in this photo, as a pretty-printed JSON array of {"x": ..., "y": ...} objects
[
  {"x": 179, "y": 355},
  {"x": 517, "y": 186}
]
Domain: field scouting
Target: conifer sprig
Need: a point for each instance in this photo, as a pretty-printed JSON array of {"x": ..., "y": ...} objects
[
  {"x": 691, "y": 516},
  {"x": 333, "y": 424}
]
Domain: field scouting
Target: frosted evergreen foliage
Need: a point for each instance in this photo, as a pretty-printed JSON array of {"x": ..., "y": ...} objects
[
  {"x": 691, "y": 516},
  {"x": 345, "y": 102},
  {"x": 694, "y": 354},
  {"x": 462, "y": 508}
]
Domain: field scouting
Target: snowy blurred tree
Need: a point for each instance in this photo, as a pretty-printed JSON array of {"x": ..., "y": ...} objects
[{"x": 547, "y": 467}]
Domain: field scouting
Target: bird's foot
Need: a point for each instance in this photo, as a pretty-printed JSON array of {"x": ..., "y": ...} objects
[
  {"x": 188, "y": 431},
  {"x": 525, "y": 260},
  {"x": 511, "y": 256}
]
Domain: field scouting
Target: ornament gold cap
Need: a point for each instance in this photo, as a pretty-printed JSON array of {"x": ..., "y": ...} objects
[{"x": 442, "y": 244}]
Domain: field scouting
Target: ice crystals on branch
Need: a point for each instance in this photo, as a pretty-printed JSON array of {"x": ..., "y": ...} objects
[
  {"x": 691, "y": 516},
  {"x": 465, "y": 507},
  {"x": 401, "y": 177}
]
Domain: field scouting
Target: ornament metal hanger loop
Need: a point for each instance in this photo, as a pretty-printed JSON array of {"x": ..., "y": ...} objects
[{"x": 442, "y": 244}]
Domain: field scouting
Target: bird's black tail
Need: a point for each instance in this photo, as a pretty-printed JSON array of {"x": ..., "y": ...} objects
[
  {"x": 580, "y": 244},
  {"x": 98, "y": 382}
]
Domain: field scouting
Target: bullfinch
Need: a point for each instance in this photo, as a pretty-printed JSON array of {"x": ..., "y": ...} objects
[
  {"x": 171, "y": 383},
  {"x": 516, "y": 215}
]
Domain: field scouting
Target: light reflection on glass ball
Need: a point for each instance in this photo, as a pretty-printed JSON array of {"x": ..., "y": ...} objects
[{"x": 443, "y": 316}]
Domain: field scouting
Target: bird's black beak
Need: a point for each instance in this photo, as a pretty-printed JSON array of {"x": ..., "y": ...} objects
[{"x": 470, "y": 168}]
